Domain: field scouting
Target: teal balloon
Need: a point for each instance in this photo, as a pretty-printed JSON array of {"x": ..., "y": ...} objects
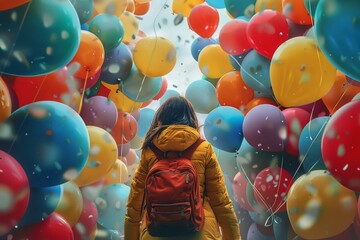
[
  {"x": 255, "y": 72},
  {"x": 311, "y": 6},
  {"x": 139, "y": 87},
  {"x": 50, "y": 141},
  {"x": 109, "y": 29},
  {"x": 216, "y": 3},
  {"x": 202, "y": 95},
  {"x": 38, "y": 38},
  {"x": 169, "y": 93},
  {"x": 310, "y": 144},
  {"x": 237, "y": 8},
  {"x": 84, "y": 9},
  {"x": 337, "y": 32},
  {"x": 111, "y": 206},
  {"x": 145, "y": 120},
  {"x": 227, "y": 161}
]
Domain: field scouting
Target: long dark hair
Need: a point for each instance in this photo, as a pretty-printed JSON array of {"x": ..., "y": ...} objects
[{"x": 175, "y": 110}]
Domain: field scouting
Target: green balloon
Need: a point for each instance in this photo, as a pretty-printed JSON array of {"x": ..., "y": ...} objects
[{"x": 84, "y": 9}]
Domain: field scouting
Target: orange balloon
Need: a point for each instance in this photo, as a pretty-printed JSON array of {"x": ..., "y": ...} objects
[
  {"x": 9, "y": 4},
  {"x": 296, "y": 11},
  {"x": 130, "y": 6},
  {"x": 341, "y": 93},
  {"x": 5, "y": 101},
  {"x": 141, "y": 9},
  {"x": 258, "y": 101},
  {"x": 231, "y": 90},
  {"x": 90, "y": 55},
  {"x": 125, "y": 128}
]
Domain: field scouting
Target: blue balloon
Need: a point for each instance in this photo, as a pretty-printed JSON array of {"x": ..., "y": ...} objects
[
  {"x": 338, "y": 36},
  {"x": 111, "y": 206},
  {"x": 216, "y": 3},
  {"x": 117, "y": 64},
  {"x": 310, "y": 144},
  {"x": 38, "y": 38},
  {"x": 255, "y": 72},
  {"x": 145, "y": 120},
  {"x": 202, "y": 95},
  {"x": 50, "y": 141},
  {"x": 84, "y": 9},
  {"x": 236, "y": 60},
  {"x": 169, "y": 93},
  {"x": 223, "y": 128},
  {"x": 238, "y": 8},
  {"x": 43, "y": 201},
  {"x": 198, "y": 44},
  {"x": 85, "y": 27}
]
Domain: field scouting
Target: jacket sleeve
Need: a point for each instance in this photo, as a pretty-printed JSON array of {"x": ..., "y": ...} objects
[
  {"x": 133, "y": 206},
  {"x": 219, "y": 198}
]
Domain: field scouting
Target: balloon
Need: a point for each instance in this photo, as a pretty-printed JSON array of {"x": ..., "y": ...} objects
[
  {"x": 233, "y": 37},
  {"x": 24, "y": 52},
  {"x": 258, "y": 101},
  {"x": 99, "y": 111},
  {"x": 297, "y": 30},
  {"x": 232, "y": 91},
  {"x": 300, "y": 55},
  {"x": 111, "y": 205},
  {"x": 271, "y": 187},
  {"x": 240, "y": 8},
  {"x": 340, "y": 51},
  {"x": 113, "y": 7},
  {"x": 125, "y": 128},
  {"x": 341, "y": 93},
  {"x": 184, "y": 7},
  {"x": 255, "y": 71},
  {"x": 202, "y": 95},
  {"x": 296, "y": 11},
  {"x": 54, "y": 227},
  {"x": 43, "y": 201},
  {"x": 123, "y": 149},
  {"x": 87, "y": 221},
  {"x": 265, "y": 128},
  {"x": 12, "y": 4},
  {"x": 281, "y": 227},
  {"x": 214, "y": 62},
  {"x": 316, "y": 201},
  {"x": 223, "y": 128},
  {"x": 168, "y": 93},
  {"x": 102, "y": 157},
  {"x": 14, "y": 190},
  {"x": 266, "y": 31},
  {"x": 239, "y": 185},
  {"x": 227, "y": 161},
  {"x": 261, "y": 5},
  {"x": 139, "y": 87},
  {"x": 340, "y": 145},
  {"x": 118, "y": 174},
  {"x": 131, "y": 26},
  {"x": 203, "y": 20},
  {"x": 198, "y": 45},
  {"x": 141, "y": 9},
  {"x": 154, "y": 56},
  {"x": 145, "y": 120},
  {"x": 47, "y": 132},
  {"x": 236, "y": 60},
  {"x": 311, "y": 6},
  {"x": 164, "y": 86},
  {"x": 5, "y": 103},
  {"x": 316, "y": 109},
  {"x": 255, "y": 234},
  {"x": 216, "y": 3},
  {"x": 84, "y": 9},
  {"x": 130, "y": 6},
  {"x": 109, "y": 29},
  {"x": 122, "y": 102}
]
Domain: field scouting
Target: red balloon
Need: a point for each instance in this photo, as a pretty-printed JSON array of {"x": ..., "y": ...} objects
[
  {"x": 125, "y": 128},
  {"x": 203, "y": 20},
  {"x": 239, "y": 185},
  {"x": 53, "y": 227},
  {"x": 266, "y": 31},
  {"x": 340, "y": 145},
  {"x": 164, "y": 86},
  {"x": 87, "y": 220},
  {"x": 91, "y": 81},
  {"x": 271, "y": 187},
  {"x": 296, "y": 120},
  {"x": 233, "y": 37},
  {"x": 15, "y": 192}
]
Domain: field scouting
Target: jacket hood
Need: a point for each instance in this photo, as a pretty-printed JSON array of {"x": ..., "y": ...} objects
[{"x": 176, "y": 138}]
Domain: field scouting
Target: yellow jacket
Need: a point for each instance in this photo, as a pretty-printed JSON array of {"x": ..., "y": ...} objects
[{"x": 218, "y": 207}]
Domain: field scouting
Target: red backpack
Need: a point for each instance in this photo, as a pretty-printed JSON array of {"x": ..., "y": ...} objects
[{"x": 172, "y": 194}]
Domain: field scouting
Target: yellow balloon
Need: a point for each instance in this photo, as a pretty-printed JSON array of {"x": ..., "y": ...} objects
[
  {"x": 154, "y": 56},
  {"x": 122, "y": 102},
  {"x": 214, "y": 62},
  {"x": 5, "y": 101},
  {"x": 71, "y": 203},
  {"x": 118, "y": 174},
  {"x": 261, "y": 5},
  {"x": 300, "y": 73},
  {"x": 130, "y": 6},
  {"x": 131, "y": 26},
  {"x": 319, "y": 206},
  {"x": 102, "y": 156},
  {"x": 113, "y": 7},
  {"x": 184, "y": 7}
]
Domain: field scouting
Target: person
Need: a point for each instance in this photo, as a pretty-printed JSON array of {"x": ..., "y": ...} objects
[{"x": 175, "y": 128}]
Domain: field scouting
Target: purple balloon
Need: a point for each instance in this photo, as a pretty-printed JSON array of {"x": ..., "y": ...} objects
[
  {"x": 99, "y": 111},
  {"x": 123, "y": 149},
  {"x": 264, "y": 128}
]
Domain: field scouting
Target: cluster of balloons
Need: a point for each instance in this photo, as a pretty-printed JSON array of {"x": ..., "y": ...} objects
[{"x": 279, "y": 96}]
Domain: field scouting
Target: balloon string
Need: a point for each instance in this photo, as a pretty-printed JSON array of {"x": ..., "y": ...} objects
[{"x": 83, "y": 92}]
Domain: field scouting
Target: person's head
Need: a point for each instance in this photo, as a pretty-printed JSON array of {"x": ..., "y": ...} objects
[{"x": 175, "y": 110}]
